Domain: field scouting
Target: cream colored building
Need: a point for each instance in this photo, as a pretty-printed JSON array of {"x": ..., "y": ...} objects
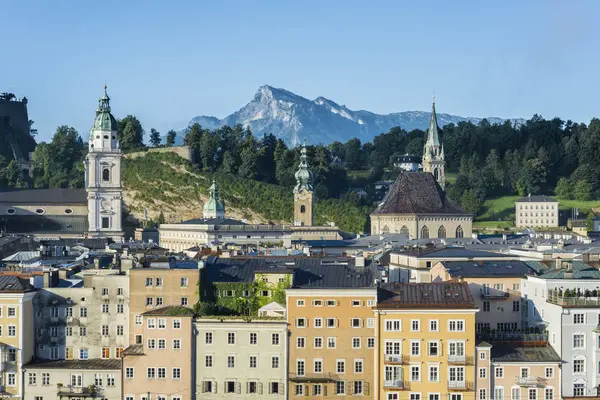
[
  {"x": 17, "y": 341},
  {"x": 495, "y": 286},
  {"x": 417, "y": 207},
  {"x": 73, "y": 379},
  {"x": 537, "y": 212},
  {"x": 240, "y": 358}
]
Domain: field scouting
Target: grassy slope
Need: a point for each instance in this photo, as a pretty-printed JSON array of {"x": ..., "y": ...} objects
[{"x": 170, "y": 182}]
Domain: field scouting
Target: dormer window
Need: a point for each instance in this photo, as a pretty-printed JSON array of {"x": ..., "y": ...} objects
[{"x": 105, "y": 175}]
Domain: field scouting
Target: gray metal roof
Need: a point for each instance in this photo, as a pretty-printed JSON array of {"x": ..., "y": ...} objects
[
  {"x": 170, "y": 311},
  {"x": 512, "y": 353},
  {"x": 213, "y": 221},
  {"x": 536, "y": 199},
  {"x": 94, "y": 363},
  {"x": 44, "y": 196},
  {"x": 452, "y": 252},
  {"x": 579, "y": 270},
  {"x": 14, "y": 284},
  {"x": 308, "y": 272},
  {"x": 417, "y": 193},
  {"x": 487, "y": 269},
  {"x": 425, "y": 295},
  {"x": 45, "y": 223}
]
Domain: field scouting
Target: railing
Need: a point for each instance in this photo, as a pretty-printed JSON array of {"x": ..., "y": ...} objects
[
  {"x": 494, "y": 294},
  {"x": 459, "y": 359},
  {"x": 74, "y": 390},
  {"x": 396, "y": 359},
  {"x": 394, "y": 384},
  {"x": 530, "y": 381},
  {"x": 580, "y": 301},
  {"x": 460, "y": 385},
  {"x": 513, "y": 337},
  {"x": 314, "y": 377}
]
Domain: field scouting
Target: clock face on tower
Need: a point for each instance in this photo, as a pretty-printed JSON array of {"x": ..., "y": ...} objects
[{"x": 104, "y": 205}]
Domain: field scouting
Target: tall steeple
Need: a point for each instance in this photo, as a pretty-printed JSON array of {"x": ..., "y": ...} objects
[
  {"x": 214, "y": 207},
  {"x": 303, "y": 192},
  {"x": 103, "y": 175},
  {"x": 433, "y": 151}
]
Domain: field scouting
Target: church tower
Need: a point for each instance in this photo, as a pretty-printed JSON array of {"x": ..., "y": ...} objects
[
  {"x": 103, "y": 175},
  {"x": 303, "y": 193},
  {"x": 214, "y": 207},
  {"x": 433, "y": 153}
]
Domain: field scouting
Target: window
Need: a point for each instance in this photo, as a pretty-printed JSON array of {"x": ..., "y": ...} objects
[
  {"x": 415, "y": 348},
  {"x": 356, "y": 303},
  {"x": 370, "y": 343},
  {"x": 104, "y": 330},
  {"x": 275, "y": 362},
  {"x": 12, "y": 355},
  {"x": 76, "y": 380},
  {"x": 370, "y": 322},
  {"x": 162, "y": 323},
  {"x": 68, "y": 312},
  {"x": 499, "y": 371},
  {"x": 176, "y": 324},
  {"x": 299, "y": 390},
  {"x": 176, "y": 344},
  {"x": 119, "y": 352},
  {"x": 120, "y": 330},
  {"x": 414, "y": 325},
  {"x": 415, "y": 373},
  {"x": 120, "y": 309},
  {"x": 32, "y": 378},
  {"x": 340, "y": 387},
  {"x": 159, "y": 301},
  {"x": 151, "y": 322},
  {"x": 54, "y": 353},
  {"x": 331, "y": 322},
  {"x": 483, "y": 373},
  {"x": 578, "y": 366},
  {"x": 318, "y": 365},
  {"x": 331, "y": 303},
  {"x": 318, "y": 322},
  {"x": 532, "y": 394},
  {"x": 184, "y": 301},
  {"x": 356, "y": 343},
  {"x": 358, "y": 387},
  {"x": 230, "y": 361},
  {"x": 106, "y": 352},
  {"x": 183, "y": 282},
  {"x": 498, "y": 393},
  {"x": 482, "y": 355},
  {"x": 434, "y": 373},
  {"x": 300, "y": 303},
  {"x": 151, "y": 373},
  {"x": 482, "y": 394},
  {"x": 456, "y": 325},
  {"x": 516, "y": 306},
  {"x": 110, "y": 379},
  {"x": 393, "y": 325},
  {"x": 208, "y": 338},
  {"x": 340, "y": 366},
  {"x": 317, "y": 390},
  {"x": 578, "y": 318},
  {"x": 358, "y": 366},
  {"x": 162, "y": 344},
  {"x": 105, "y": 308},
  {"x": 301, "y": 322},
  {"x": 129, "y": 373},
  {"x": 486, "y": 306},
  {"x": 549, "y": 372},
  {"x": 105, "y": 174},
  {"x": 231, "y": 338},
  {"x": 434, "y": 348},
  {"x": 433, "y": 325},
  {"x": 415, "y": 396},
  {"x": 105, "y": 222},
  {"x": 12, "y": 312},
  {"x": 317, "y": 303},
  {"x": 230, "y": 386},
  {"x": 578, "y": 389},
  {"x": 149, "y": 282},
  {"x": 159, "y": 282},
  {"x": 318, "y": 343},
  {"x": 578, "y": 341},
  {"x": 83, "y": 354},
  {"x": 273, "y": 387},
  {"x": 139, "y": 320},
  {"x": 392, "y": 347},
  {"x": 331, "y": 342},
  {"x": 300, "y": 370},
  {"x": 151, "y": 343},
  {"x": 253, "y": 338},
  {"x": 208, "y": 361},
  {"x": 45, "y": 378},
  {"x": 275, "y": 339},
  {"x": 300, "y": 342},
  {"x": 355, "y": 323},
  {"x": 98, "y": 379},
  {"x": 176, "y": 373},
  {"x": 515, "y": 394},
  {"x": 549, "y": 394},
  {"x": 253, "y": 362},
  {"x": 69, "y": 353},
  {"x": 252, "y": 387}
]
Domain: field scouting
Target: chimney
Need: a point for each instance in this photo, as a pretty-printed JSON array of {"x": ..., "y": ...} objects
[{"x": 557, "y": 263}]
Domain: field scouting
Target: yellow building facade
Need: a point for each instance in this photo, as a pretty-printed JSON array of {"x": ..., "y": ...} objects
[{"x": 426, "y": 342}]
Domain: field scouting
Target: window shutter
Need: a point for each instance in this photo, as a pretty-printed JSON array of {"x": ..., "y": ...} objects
[
  {"x": 238, "y": 387},
  {"x": 365, "y": 388},
  {"x": 350, "y": 390},
  {"x": 247, "y": 387},
  {"x": 260, "y": 388},
  {"x": 337, "y": 322},
  {"x": 324, "y": 390},
  {"x": 214, "y": 387}
]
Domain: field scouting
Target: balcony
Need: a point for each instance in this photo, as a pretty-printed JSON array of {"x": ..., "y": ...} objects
[
  {"x": 494, "y": 294},
  {"x": 324, "y": 377},
  {"x": 460, "y": 385},
  {"x": 530, "y": 381},
  {"x": 396, "y": 384},
  {"x": 514, "y": 337},
  {"x": 576, "y": 301},
  {"x": 460, "y": 359},
  {"x": 72, "y": 391},
  {"x": 396, "y": 359}
]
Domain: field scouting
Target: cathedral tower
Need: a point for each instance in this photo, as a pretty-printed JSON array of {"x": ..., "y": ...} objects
[
  {"x": 103, "y": 175},
  {"x": 433, "y": 153},
  {"x": 303, "y": 193},
  {"x": 214, "y": 207}
]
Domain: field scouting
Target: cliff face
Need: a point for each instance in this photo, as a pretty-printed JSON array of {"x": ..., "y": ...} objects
[{"x": 14, "y": 128}]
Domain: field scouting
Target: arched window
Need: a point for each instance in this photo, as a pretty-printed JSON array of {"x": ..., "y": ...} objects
[
  {"x": 424, "y": 232},
  {"x": 459, "y": 232},
  {"x": 386, "y": 229},
  {"x": 442, "y": 232},
  {"x": 106, "y": 175},
  {"x": 435, "y": 174},
  {"x": 302, "y": 208},
  {"x": 404, "y": 230}
]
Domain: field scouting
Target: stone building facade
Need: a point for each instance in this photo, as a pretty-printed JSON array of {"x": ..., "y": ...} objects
[{"x": 536, "y": 211}]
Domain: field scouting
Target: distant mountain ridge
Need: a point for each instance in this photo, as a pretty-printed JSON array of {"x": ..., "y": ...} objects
[{"x": 293, "y": 118}]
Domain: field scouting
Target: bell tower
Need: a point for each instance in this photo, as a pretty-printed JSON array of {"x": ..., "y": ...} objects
[
  {"x": 303, "y": 192},
  {"x": 433, "y": 152},
  {"x": 103, "y": 175}
]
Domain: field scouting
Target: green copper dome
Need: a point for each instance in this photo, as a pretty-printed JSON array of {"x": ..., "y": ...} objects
[
  {"x": 104, "y": 119},
  {"x": 214, "y": 207},
  {"x": 303, "y": 175}
]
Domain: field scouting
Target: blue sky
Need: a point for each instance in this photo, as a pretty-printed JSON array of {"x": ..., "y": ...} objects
[{"x": 168, "y": 61}]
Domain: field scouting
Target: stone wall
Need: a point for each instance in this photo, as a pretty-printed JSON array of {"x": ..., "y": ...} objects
[{"x": 184, "y": 152}]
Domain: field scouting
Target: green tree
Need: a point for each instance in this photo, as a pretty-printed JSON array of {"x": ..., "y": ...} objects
[
  {"x": 247, "y": 168},
  {"x": 533, "y": 176},
  {"x": 130, "y": 133},
  {"x": 470, "y": 201},
  {"x": 564, "y": 189},
  {"x": 161, "y": 218},
  {"x": 582, "y": 190},
  {"x": 229, "y": 164},
  {"x": 155, "y": 138},
  {"x": 171, "y": 135},
  {"x": 589, "y": 222}
]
